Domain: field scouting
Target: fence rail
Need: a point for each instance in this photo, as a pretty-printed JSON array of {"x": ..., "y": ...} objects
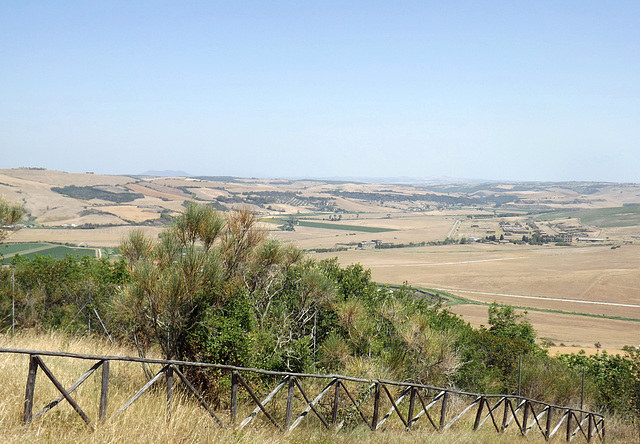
[{"x": 341, "y": 402}]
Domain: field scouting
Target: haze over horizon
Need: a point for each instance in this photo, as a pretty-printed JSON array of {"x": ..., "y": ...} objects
[{"x": 513, "y": 91}]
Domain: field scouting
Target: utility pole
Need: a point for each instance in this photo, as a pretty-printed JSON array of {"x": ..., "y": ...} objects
[
  {"x": 519, "y": 374},
  {"x": 582, "y": 392},
  {"x": 13, "y": 300}
]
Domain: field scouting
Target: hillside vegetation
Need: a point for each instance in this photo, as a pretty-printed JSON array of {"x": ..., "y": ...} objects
[{"x": 213, "y": 288}]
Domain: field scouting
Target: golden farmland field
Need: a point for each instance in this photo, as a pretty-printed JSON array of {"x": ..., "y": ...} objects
[
  {"x": 577, "y": 295},
  {"x": 570, "y": 282}
]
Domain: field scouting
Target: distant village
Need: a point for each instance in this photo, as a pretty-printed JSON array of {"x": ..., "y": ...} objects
[{"x": 507, "y": 233}]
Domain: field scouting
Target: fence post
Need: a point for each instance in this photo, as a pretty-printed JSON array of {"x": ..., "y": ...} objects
[
  {"x": 234, "y": 396},
  {"x": 412, "y": 402},
  {"x": 104, "y": 391},
  {"x": 569, "y": 425},
  {"x": 525, "y": 417},
  {"x": 169, "y": 376},
  {"x": 548, "y": 425},
  {"x": 376, "y": 407},
  {"x": 31, "y": 386},
  {"x": 476, "y": 423},
  {"x": 505, "y": 415},
  {"x": 287, "y": 421},
  {"x": 336, "y": 403},
  {"x": 590, "y": 418},
  {"x": 443, "y": 410}
]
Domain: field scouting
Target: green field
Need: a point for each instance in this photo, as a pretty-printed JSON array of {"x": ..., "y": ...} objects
[
  {"x": 30, "y": 250},
  {"x": 603, "y": 217},
  {"x": 6, "y": 249}
]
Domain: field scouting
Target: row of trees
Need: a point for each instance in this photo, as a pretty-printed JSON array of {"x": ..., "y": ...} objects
[{"x": 213, "y": 288}]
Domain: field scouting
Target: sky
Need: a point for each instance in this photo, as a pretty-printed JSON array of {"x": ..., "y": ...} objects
[{"x": 488, "y": 90}]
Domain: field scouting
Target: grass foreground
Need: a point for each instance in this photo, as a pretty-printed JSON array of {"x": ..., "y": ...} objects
[{"x": 146, "y": 420}]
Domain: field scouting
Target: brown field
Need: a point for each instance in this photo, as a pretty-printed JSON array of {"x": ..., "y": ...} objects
[
  {"x": 98, "y": 237},
  {"x": 162, "y": 193},
  {"x": 591, "y": 280},
  {"x": 132, "y": 212},
  {"x": 207, "y": 193}
]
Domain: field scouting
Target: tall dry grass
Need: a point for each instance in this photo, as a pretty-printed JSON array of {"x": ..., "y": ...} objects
[{"x": 145, "y": 421}]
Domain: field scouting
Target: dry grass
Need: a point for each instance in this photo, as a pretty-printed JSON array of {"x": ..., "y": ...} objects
[{"x": 145, "y": 421}]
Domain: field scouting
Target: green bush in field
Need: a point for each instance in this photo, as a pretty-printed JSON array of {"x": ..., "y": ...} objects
[
  {"x": 616, "y": 379},
  {"x": 49, "y": 292}
]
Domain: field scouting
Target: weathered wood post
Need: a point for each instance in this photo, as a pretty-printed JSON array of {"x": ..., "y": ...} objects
[
  {"x": 525, "y": 417},
  {"x": 287, "y": 421},
  {"x": 505, "y": 415},
  {"x": 31, "y": 386},
  {"x": 234, "y": 397},
  {"x": 169, "y": 376},
  {"x": 443, "y": 410},
  {"x": 569, "y": 415},
  {"x": 336, "y": 403},
  {"x": 376, "y": 407},
  {"x": 476, "y": 423},
  {"x": 412, "y": 402},
  {"x": 547, "y": 433},
  {"x": 104, "y": 392},
  {"x": 590, "y": 420}
]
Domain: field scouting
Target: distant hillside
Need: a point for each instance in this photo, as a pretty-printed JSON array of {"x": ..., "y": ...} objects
[
  {"x": 60, "y": 199},
  {"x": 165, "y": 173}
]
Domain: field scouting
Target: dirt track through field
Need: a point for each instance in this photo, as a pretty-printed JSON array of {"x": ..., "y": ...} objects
[
  {"x": 577, "y": 301},
  {"x": 446, "y": 263}
]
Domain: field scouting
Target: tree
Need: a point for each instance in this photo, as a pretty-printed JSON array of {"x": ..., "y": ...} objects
[
  {"x": 490, "y": 355},
  {"x": 616, "y": 379},
  {"x": 210, "y": 282},
  {"x": 536, "y": 238},
  {"x": 10, "y": 214},
  {"x": 506, "y": 323},
  {"x": 171, "y": 277}
]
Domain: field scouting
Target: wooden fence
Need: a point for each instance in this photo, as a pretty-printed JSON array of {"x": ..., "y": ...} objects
[{"x": 337, "y": 401}]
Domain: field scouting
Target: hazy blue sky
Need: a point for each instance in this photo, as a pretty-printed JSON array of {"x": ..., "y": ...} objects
[{"x": 513, "y": 90}]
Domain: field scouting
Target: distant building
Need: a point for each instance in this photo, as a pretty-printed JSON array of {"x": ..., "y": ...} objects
[
  {"x": 516, "y": 228},
  {"x": 366, "y": 244},
  {"x": 565, "y": 237}
]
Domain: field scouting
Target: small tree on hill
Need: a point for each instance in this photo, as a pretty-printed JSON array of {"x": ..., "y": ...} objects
[{"x": 10, "y": 214}]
